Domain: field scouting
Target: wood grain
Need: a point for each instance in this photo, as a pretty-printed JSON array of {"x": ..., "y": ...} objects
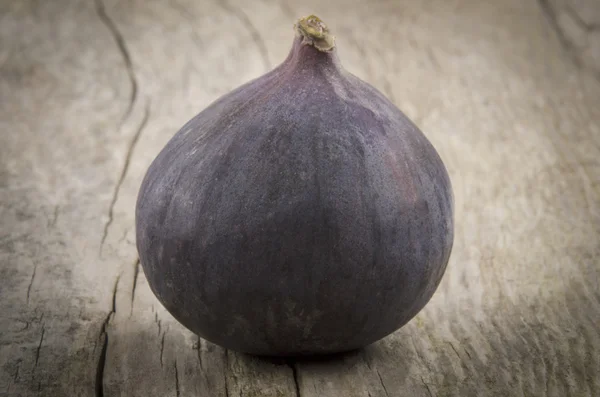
[
  {"x": 577, "y": 23},
  {"x": 90, "y": 91}
]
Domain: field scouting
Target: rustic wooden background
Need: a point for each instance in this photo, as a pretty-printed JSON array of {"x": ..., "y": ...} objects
[{"x": 508, "y": 92}]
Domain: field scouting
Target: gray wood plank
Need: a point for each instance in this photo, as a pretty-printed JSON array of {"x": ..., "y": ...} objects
[{"x": 90, "y": 91}]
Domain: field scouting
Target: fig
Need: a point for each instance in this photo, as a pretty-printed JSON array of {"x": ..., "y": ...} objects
[{"x": 300, "y": 214}]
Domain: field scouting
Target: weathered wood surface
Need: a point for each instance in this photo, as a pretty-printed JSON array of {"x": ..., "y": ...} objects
[
  {"x": 90, "y": 92},
  {"x": 577, "y": 23}
]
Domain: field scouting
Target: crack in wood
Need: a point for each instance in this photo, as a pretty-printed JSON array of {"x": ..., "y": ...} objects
[
  {"x": 99, "y": 387},
  {"x": 382, "y": 384},
  {"x": 120, "y": 41},
  {"x": 254, "y": 32},
  {"x": 100, "y": 367},
  {"x": 114, "y": 298},
  {"x": 455, "y": 351},
  {"x": 39, "y": 347},
  {"x": 427, "y": 387},
  {"x": 136, "y": 272},
  {"x": 177, "y": 391},
  {"x": 31, "y": 281},
  {"x": 468, "y": 354},
  {"x": 162, "y": 348},
  {"x": 27, "y": 323},
  {"x": 294, "y": 369},
  {"x": 123, "y": 174}
]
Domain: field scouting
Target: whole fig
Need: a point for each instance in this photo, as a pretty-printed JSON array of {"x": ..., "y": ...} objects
[{"x": 302, "y": 213}]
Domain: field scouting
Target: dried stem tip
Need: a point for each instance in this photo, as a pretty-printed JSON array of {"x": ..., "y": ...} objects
[{"x": 314, "y": 32}]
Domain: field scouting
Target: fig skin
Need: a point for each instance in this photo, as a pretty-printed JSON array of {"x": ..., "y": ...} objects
[{"x": 300, "y": 214}]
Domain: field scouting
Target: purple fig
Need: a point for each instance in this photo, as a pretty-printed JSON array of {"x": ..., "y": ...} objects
[{"x": 302, "y": 213}]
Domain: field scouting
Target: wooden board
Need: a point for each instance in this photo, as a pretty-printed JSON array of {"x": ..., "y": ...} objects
[{"x": 90, "y": 91}]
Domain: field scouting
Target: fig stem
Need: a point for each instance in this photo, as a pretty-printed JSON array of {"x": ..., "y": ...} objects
[{"x": 314, "y": 32}]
